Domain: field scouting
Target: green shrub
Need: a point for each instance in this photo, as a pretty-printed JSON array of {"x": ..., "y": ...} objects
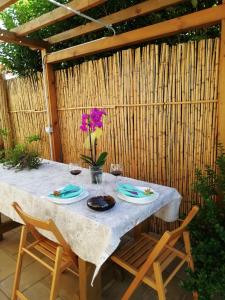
[
  {"x": 21, "y": 157},
  {"x": 208, "y": 234},
  {"x": 3, "y": 135}
]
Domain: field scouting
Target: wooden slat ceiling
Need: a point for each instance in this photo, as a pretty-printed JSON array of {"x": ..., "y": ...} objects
[
  {"x": 17, "y": 35},
  {"x": 55, "y": 15},
  {"x": 201, "y": 18},
  {"x": 118, "y": 17},
  {"x": 6, "y": 3}
]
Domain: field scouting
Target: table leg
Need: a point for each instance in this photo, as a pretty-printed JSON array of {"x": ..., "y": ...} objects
[{"x": 87, "y": 292}]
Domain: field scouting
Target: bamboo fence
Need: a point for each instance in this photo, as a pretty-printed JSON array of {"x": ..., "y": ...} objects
[
  {"x": 162, "y": 110},
  {"x": 27, "y": 111}
]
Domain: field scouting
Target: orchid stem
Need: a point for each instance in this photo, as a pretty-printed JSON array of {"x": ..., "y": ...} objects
[
  {"x": 90, "y": 143},
  {"x": 95, "y": 149}
]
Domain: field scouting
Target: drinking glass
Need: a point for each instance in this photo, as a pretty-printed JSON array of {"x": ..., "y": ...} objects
[
  {"x": 116, "y": 170},
  {"x": 74, "y": 168}
]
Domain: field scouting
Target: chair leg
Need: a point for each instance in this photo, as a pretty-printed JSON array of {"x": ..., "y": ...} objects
[
  {"x": 159, "y": 281},
  {"x": 56, "y": 273},
  {"x": 187, "y": 245},
  {"x": 23, "y": 239}
]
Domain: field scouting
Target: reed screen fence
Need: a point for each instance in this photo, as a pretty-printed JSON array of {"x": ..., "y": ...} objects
[{"x": 162, "y": 110}]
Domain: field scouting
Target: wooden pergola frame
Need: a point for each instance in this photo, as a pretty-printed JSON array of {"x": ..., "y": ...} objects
[
  {"x": 18, "y": 35},
  {"x": 203, "y": 18}
]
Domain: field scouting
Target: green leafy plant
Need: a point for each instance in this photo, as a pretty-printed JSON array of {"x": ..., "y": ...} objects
[
  {"x": 3, "y": 135},
  {"x": 194, "y": 3},
  {"x": 32, "y": 138},
  {"x": 208, "y": 234},
  {"x": 2, "y": 155},
  {"x": 98, "y": 163},
  {"x": 21, "y": 157}
]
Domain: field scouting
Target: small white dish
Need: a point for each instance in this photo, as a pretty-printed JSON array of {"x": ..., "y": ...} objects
[
  {"x": 143, "y": 200},
  {"x": 61, "y": 201}
]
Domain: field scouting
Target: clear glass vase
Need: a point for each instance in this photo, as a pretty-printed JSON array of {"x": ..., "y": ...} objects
[{"x": 96, "y": 174}]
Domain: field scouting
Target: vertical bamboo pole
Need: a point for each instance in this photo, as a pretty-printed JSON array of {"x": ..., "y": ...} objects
[
  {"x": 221, "y": 91},
  {"x": 55, "y": 140},
  {"x": 4, "y": 113}
]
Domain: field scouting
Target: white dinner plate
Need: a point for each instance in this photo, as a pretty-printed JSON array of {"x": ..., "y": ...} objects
[
  {"x": 82, "y": 196},
  {"x": 143, "y": 200}
]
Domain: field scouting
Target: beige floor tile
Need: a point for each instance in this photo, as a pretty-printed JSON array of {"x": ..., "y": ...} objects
[
  {"x": 68, "y": 287},
  {"x": 181, "y": 274},
  {"x": 38, "y": 291},
  {"x": 27, "y": 259},
  {"x": 30, "y": 275},
  {"x": 7, "y": 265},
  {"x": 175, "y": 292},
  {"x": 10, "y": 243},
  {"x": 3, "y": 296},
  {"x": 117, "y": 289}
]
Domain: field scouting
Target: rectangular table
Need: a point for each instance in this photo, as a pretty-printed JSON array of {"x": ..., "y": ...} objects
[{"x": 93, "y": 236}]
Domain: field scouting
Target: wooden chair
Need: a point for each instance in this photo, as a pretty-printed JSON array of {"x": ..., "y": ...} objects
[
  {"x": 148, "y": 257},
  {"x": 59, "y": 254}
]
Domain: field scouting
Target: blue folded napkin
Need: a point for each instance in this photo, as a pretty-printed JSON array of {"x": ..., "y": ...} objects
[
  {"x": 69, "y": 191},
  {"x": 131, "y": 191}
]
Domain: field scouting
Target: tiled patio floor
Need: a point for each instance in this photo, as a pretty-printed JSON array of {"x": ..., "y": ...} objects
[{"x": 36, "y": 281}]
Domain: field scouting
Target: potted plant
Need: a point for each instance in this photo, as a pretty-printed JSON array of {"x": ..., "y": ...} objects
[{"x": 92, "y": 124}]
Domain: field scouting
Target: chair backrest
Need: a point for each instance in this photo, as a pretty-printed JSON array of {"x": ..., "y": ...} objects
[
  {"x": 170, "y": 238},
  {"x": 33, "y": 224},
  {"x": 176, "y": 234}
]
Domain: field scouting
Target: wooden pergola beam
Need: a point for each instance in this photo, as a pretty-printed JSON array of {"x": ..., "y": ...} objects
[
  {"x": 11, "y": 37},
  {"x": 118, "y": 17},
  {"x": 198, "y": 19},
  {"x": 6, "y": 3},
  {"x": 55, "y": 15}
]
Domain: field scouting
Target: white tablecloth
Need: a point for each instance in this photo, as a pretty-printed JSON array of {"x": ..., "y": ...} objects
[{"x": 93, "y": 236}]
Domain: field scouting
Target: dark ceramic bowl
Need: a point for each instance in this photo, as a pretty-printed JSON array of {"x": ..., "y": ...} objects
[{"x": 101, "y": 203}]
